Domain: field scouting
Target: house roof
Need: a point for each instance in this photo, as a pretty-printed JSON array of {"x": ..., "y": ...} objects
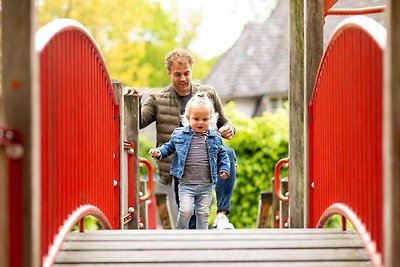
[
  {"x": 258, "y": 63},
  {"x": 241, "y": 71}
]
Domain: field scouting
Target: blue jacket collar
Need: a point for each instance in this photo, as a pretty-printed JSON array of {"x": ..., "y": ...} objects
[{"x": 189, "y": 130}]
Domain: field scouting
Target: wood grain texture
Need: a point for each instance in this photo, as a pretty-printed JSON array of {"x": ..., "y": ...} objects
[
  {"x": 296, "y": 113},
  {"x": 20, "y": 112},
  {"x": 313, "y": 50},
  {"x": 164, "y": 210},
  {"x": 244, "y": 247},
  {"x": 391, "y": 136}
]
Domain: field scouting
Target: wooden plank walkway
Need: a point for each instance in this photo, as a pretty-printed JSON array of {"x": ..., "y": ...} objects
[{"x": 247, "y": 247}]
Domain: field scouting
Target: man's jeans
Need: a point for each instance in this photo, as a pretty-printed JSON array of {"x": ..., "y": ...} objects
[
  {"x": 194, "y": 198},
  {"x": 224, "y": 189}
]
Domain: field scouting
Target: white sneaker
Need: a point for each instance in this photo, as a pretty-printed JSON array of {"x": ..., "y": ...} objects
[{"x": 222, "y": 223}]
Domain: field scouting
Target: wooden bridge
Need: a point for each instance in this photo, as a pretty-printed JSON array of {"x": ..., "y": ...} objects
[
  {"x": 71, "y": 151},
  {"x": 244, "y": 247}
]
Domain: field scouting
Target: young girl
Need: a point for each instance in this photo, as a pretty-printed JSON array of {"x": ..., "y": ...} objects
[{"x": 199, "y": 159}]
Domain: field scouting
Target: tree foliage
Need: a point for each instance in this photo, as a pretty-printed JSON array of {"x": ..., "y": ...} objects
[
  {"x": 259, "y": 143},
  {"x": 133, "y": 35}
]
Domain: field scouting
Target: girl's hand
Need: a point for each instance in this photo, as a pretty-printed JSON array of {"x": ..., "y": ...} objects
[
  {"x": 223, "y": 175},
  {"x": 155, "y": 153}
]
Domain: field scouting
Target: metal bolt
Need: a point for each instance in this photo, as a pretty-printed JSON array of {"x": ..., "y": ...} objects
[
  {"x": 131, "y": 151},
  {"x": 9, "y": 135},
  {"x": 312, "y": 185},
  {"x": 141, "y": 194},
  {"x": 15, "y": 151},
  {"x": 287, "y": 194},
  {"x": 131, "y": 210},
  {"x": 115, "y": 182}
]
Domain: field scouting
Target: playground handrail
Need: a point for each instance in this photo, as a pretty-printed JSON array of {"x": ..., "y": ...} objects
[
  {"x": 277, "y": 180},
  {"x": 345, "y": 129},
  {"x": 79, "y": 128}
]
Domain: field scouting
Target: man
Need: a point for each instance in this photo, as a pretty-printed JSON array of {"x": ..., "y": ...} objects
[{"x": 166, "y": 107}]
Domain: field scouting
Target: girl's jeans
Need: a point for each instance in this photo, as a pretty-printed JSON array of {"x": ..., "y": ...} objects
[
  {"x": 194, "y": 197},
  {"x": 224, "y": 189}
]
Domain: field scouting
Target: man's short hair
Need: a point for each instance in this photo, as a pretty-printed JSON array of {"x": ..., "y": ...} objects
[{"x": 179, "y": 55}]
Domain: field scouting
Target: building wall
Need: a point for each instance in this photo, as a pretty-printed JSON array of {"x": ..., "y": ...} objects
[{"x": 245, "y": 106}]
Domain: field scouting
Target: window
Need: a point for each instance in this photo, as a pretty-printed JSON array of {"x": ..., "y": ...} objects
[{"x": 273, "y": 104}]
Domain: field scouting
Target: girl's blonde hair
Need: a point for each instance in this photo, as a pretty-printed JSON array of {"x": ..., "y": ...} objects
[{"x": 200, "y": 99}]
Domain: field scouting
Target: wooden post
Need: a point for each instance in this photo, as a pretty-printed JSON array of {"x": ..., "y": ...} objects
[
  {"x": 280, "y": 209},
  {"x": 131, "y": 122},
  {"x": 144, "y": 213},
  {"x": 296, "y": 113},
  {"x": 20, "y": 111},
  {"x": 123, "y": 168},
  {"x": 313, "y": 50},
  {"x": 164, "y": 211},
  {"x": 284, "y": 206},
  {"x": 391, "y": 137},
  {"x": 264, "y": 210},
  {"x": 275, "y": 208},
  {"x": 129, "y": 131}
]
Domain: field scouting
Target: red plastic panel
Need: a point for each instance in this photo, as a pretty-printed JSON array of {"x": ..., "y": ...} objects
[
  {"x": 328, "y": 4},
  {"x": 11, "y": 141},
  {"x": 79, "y": 128},
  {"x": 152, "y": 214},
  {"x": 346, "y": 126}
]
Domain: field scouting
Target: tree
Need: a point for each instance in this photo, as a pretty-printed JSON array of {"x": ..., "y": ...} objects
[{"x": 133, "y": 35}]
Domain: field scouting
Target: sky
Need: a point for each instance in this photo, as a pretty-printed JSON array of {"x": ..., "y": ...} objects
[{"x": 223, "y": 21}]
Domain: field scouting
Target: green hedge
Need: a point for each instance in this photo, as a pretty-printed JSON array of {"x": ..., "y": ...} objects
[{"x": 259, "y": 143}]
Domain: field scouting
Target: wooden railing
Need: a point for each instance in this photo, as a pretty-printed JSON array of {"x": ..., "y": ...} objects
[{"x": 346, "y": 131}]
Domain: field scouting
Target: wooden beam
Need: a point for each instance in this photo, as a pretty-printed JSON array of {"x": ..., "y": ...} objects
[
  {"x": 131, "y": 122},
  {"x": 296, "y": 113},
  {"x": 264, "y": 210},
  {"x": 20, "y": 106},
  {"x": 313, "y": 50},
  {"x": 391, "y": 137},
  {"x": 123, "y": 167},
  {"x": 164, "y": 211},
  {"x": 129, "y": 131}
]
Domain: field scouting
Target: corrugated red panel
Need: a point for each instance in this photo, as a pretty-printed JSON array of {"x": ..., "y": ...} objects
[
  {"x": 346, "y": 127},
  {"x": 79, "y": 130},
  {"x": 12, "y": 141}
]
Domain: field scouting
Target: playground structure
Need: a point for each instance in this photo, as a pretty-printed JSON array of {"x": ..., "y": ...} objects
[{"x": 86, "y": 142}]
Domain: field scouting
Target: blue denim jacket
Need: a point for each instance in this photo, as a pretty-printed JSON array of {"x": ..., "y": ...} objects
[{"x": 180, "y": 143}]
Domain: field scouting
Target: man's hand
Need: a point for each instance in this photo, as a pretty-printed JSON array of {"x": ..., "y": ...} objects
[
  {"x": 226, "y": 132},
  {"x": 131, "y": 90}
]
